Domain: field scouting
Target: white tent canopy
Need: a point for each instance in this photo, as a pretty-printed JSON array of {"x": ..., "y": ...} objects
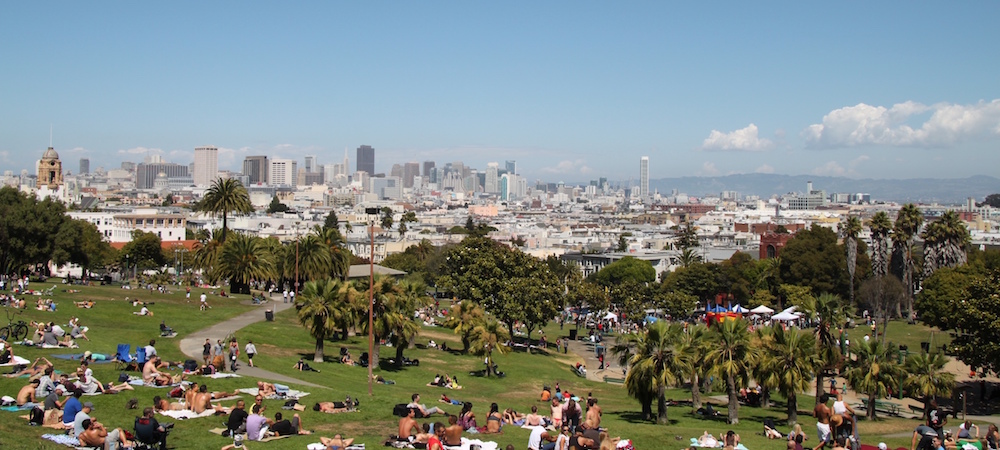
[
  {"x": 740, "y": 309},
  {"x": 785, "y": 316},
  {"x": 611, "y": 316},
  {"x": 762, "y": 310}
]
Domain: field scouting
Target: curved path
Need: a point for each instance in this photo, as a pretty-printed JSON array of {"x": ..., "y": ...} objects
[{"x": 191, "y": 345}]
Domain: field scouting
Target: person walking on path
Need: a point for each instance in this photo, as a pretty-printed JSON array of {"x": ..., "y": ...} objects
[
  {"x": 206, "y": 352},
  {"x": 250, "y": 351},
  {"x": 234, "y": 352}
]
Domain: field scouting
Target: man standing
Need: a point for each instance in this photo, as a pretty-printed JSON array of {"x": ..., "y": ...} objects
[
  {"x": 206, "y": 351},
  {"x": 204, "y": 302},
  {"x": 250, "y": 351},
  {"x": 936, "y": 420},
  {"x": 822, "y": 414},
  {"x": 284, "y": 295}
]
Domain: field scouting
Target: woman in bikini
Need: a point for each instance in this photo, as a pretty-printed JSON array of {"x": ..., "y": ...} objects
[{"x": 494, "y": 420}]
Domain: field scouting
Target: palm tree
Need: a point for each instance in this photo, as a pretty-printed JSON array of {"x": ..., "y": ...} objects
[
  {"x": 489, "y": 336},
  {"x": 688, "y": 257},
  {"x": 653, "y": 364},
  {"x": 850, "y": 229},
  {"x": 206, "y": 258},
  {"x": 788, "y": 364},
  {"x": 908, "y": 223},
  {"x": 385, "y": 311},
  {"x": 880, "y": 227},
  {"x": 323, "y": 307},
  {"x": 244, "y": 259},
  {"x": 313, "y": 259},
  {"x": 340, "y": 257},
  {"x": 464, "y": 318},
  {"x": 830, "y": 312},
  {"x": 945, "y": 240},
  {"x": 928, "y": 378},
  {"x": 873, "y": 371},
  {"x": 731, "y": 356},
  {"x": 409, "y": 217},
  {"x": 224, "y": 197},
  {"x": 411, "y": 297},
  {"x": 690, "y": 348}
]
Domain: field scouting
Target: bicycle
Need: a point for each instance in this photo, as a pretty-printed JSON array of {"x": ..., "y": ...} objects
[{"x": 18, "y": 331}]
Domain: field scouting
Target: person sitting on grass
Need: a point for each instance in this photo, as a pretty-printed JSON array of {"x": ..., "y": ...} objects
[
  {"x": 285, "y": 427},
  {"x": 302, "y": 366},
  {"x": 407, "y": 425},
  {"x": 152, "y": 376},
  {"x": 422, "y": 409},
  {"x": 95, "y": 435},
  {"x": 26, "y": 396},
  {"x": 494, "y": 421},
  {"x": 266, "y": 389}
]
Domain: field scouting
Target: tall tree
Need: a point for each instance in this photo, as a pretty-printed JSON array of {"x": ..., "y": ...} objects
[
  {"x": 945, "y": 240},
  {"x": 830, "y": 312},
  {"x": 850, "y": 229},
  {"x": 813, "y": 258},
  {"x": 873, "y": 371},
  {"x": 408, "y": 217},
  {"x": 653, "y": 364},
  {"x": 314, "y": 260},
  {"x": 464, "y": 318},
  {"x": 908, "y": 223},
  {"x": 788, "y": 364},
  {"x": 625, "y": 269},
  {"x": 489, "y": 337},
  {"x": 386, "y": 220},
  {"x": 966, "y": 303},
  {"x": 691, "y": 348},
  {"x": 27, "y": 229},
  {"x": 224, "y": 197},
  {"x": 244, "y": 259},
  {"x": 927, "y": 377},
  {"x": 731, "y": 356},
  {"x": 324, "y": 306},
  {"x": 340, "y": 257},
  {"x": 880, "y": 227},
  {"x": 332, "y": 221}
]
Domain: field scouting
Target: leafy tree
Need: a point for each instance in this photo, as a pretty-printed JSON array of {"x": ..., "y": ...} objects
[
  {"x": 882, "y": 297},
  {"x": 331, "y": 221},
  {"x": 489, "y": 337},
  {"x": 27, "y": 229},
  {"x": 409, "y": 217},
  {"x": 992, "y": 200},
  {"x": 244, "y": 259},
  {"x": 79, "y": 242},
  {"x": 586, "y": 294},
  {"x": 873, "y": 371},
  {"x": 687, "y": 238},
  {"x": 323, "y": 307},
  {"x": 699, "y": 280},
  {"x": 464, "y": 318},
  {"x": 143, "y": 251},
  {"x": 945, "y": 241},
  {"x": 850, "y": 229},
  {"x": 206, "y": 257},
  {"x": 653, "y": 365},
  {"x": 795, "y": 295},
  {"x": 386, "y": 220},
  {"x": 974, "y": 315},
  {"x": 788, "y": 362},
  {"x": 731, "y": 356},
  {"x": 624, "y": 270},
  {"x": 622, "y": 245},
  {"x": 400, "y": 319},
  {"x": 813, "y": 258},
  {"x": 630, "y": 298},
  {"x": 333, "y": 241},
  {"x": 224, "y": 197},
  {"x": 926, "y": 376},
  {"x": 903, "y": 264},
  {"x": 676, "y": 303},
  {"x": 276, "y": 206}
]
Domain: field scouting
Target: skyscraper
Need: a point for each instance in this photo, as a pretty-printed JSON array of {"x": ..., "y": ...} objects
[
  {"x": 492, "y": 183},
  {"x": 206, "y": 165},
  {"x": 255, "y": 168},
  {"x": 311, "y": 164},
  {"x": 511, "y": 167},
  {"x": 366, "y": 159},
  {"x": 428, "y": 169},
  {"x": 282, "y": 172},
  {"x": 411, "y": 170},
  {"x": 84, "y": 166},
  {"x": 644, "y": 177}
]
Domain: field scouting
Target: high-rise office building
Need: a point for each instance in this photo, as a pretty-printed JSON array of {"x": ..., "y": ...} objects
[
  {"x": 311, "y": 166},
  {"x": 644, "y": 177},
  {"x": 511, "y": 167},
  {"x": 411, "y": 170},
  {"x": 366, "y": 159},
  {"x": 206, "y": 165},
  {"x": 145, "y": 174},
  {"x": 282, "y": 172},
  {"x": 84, "y": 166},
  {"x": 428, "y": 169},
  {"x": 255, "y": 168},
  {"x": 492, "y": 183}
]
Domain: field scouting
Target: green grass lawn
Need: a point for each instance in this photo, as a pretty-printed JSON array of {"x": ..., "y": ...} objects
[{"x": 282, "y": 342}]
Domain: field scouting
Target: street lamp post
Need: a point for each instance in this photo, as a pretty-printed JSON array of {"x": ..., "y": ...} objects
[
  {"x": 125, "y": 275},
  {"x": 372, "y": 212}
]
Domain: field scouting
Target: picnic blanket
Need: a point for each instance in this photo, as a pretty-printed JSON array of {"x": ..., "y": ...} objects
[
  {"x": 219, "y": 431},
  {"x": 483, "y": 445},
  {"x": 223, "y": 375},
  {"x": 694, "y": 443},
  {"x": 16, "y": 361},
  {"x": 226, "y": 399},
  {"x": 79, "y": 356},
  {"x": 187, "y": 414},
  {"x": 320, "y": 446},
  {"x": 289, "y": 394},
  {"x": 62, "y": 439}
]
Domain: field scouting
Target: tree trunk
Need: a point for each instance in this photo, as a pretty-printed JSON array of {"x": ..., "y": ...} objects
[
  {"x": 819, "y": 385},
  {"x": 399, "y": 354},
  {"x": 661, "y": 405},
  {"x": 465, "y": 344},
  {"x": 343, "y": 334},
  {"x": 793, "y": 408},
  {"x": 733, "y": 401},
  {"x": 318, "y": 356},
  {"x": 530, "y": 328},
  {"x": 647, "y": 408},
  {"x": 765, "y": 398},
  {"x": 871, "y": 406},
  {"x": 695, "y": 392}
]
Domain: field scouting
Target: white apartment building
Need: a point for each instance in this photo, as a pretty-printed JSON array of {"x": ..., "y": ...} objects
[
  {"x": 118, "y": 227},
  {"x": 206, "y": 165},
  {"x": 282, "y": 172}
]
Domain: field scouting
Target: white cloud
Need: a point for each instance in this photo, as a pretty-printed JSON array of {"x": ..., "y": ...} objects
[
  {"x": 877, "y": 125},
  {"x": 141, "y": 151},
  {"x": 764, "y": 168},
  {"x": 708, "y": 169},
  {"x": 578, "y": 166},
  {"x": 5, "y": 156},
  {"x": 745, "y": 139},
  {"x": 831, "y": 169},
  {"x": 857, "y": 161}
]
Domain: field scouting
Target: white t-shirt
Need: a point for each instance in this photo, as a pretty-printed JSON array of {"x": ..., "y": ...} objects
[
  {"x": 58, "y": 330},
  {"x": 204, "y": 298},
  {"x": 150, "y": 351},
  {"x": 535, "y": 438},
  {"x": 250, "y": 348}
]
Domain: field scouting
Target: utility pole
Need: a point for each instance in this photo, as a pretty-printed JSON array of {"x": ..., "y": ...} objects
[{"x": 372, "y": 213}]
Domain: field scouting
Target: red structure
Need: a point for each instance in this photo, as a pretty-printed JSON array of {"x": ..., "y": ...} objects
[{"x": 771, "y": 244}]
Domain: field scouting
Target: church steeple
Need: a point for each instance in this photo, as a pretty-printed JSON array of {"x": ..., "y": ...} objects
[{"x": 50, "y": 170}]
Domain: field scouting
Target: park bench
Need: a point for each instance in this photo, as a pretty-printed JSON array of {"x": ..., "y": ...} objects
[
  {"x": 917, "y": 409},
  {"x": 883, "y": 407},
  {"x": 614, "y": 380}
]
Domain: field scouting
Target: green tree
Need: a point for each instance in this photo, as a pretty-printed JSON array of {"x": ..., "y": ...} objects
[
  {"x": 731, "y": 356},
  {"x": 276, "y": 206},
  {"x": 880, "y": 227},
  {"x": 829, "y": 312},
  {"x": 79, "y": 242},
  {"x": 143, "y": 251},
  {"x": 244, "y": 259},
  {"x": 386, "y": 221},
  {"x": 813, "y": 258},
  {"x": 313, "y": 258},
  {"x": 903, "y": 263},
  {"x": 586, "y": 294},
  {"x": 340, "y": 256},
  {"x": 622, "y": 245},
  {"x": 691, "y": 347},
  {"x": 850, "y": 229},
  {"x": 400, "y": 319},
  {"x": 687, "y": 238},
  {"x": 226, "y": 196},
  {"x": 992, "y": 200},
  {"x": 489, "y": 337},
  {"x": 882, "y": 297},
  {"x": 974, "y": 329},
  {"x": 625, "y": 269},
  {"x": 945, "y": 240},
  {"x": 464, "y": 318},
  {"x": 206, "y": 257},
  {"x": 873, "y": 371},
  {"x": 688, "y": 257},
  {"x": 788, "y": 362},
  {"x": 926, "y": 377},
  {"x": 409, "y": 217},
  {"x": 653, "y": 364},
  {"x": 699, "y": 280},
  {"x": 27, "y": 230},
  {"x": 332, "y": 221},
  {"x": 325, "y": 305}
]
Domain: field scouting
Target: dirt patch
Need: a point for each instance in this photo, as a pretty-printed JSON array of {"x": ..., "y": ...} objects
[
  {"x": 440, "y": 336},
  {"x": 885, "y": 426}
]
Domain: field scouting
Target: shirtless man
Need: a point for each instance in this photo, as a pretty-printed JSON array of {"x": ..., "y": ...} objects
[
  {"x": 162, "y": 404},
  {"x": 202, "y": 400},
  {"x": 95, "y": 435},
  {"x": 407, "y": 425},
  {"x": 822, "y": 414},
  {"x": 34, "y": 369},
  {"x": 593, "y": 420},
  {"x": 533, "y": 419},
  {"x": 332, "y": 407},
  {"x": 336, "y": 442},
  {"x": 152, "y": 376},
  {"x": 557, "y": 411},
  {"x": 26, "y": 395},
  {"x": 265, "y": 389},
  {"x": 453, "y": 434}
]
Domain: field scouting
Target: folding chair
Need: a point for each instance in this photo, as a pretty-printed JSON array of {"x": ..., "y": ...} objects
[
  {"x": 123, "y": 357},
  {"x": 140, "y": 357}
]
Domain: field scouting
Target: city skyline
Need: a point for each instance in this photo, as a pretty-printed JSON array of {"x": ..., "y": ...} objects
[{"x": 580, "y": 91}]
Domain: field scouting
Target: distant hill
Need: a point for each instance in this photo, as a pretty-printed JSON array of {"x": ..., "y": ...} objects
[{"x": 925, "y": 190}]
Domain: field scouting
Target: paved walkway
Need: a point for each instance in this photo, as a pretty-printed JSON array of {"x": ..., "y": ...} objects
[{"x": 191, "y": 345}]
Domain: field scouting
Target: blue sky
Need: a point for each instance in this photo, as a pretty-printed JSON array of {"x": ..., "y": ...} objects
[{"x": 571, "y": 90}]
